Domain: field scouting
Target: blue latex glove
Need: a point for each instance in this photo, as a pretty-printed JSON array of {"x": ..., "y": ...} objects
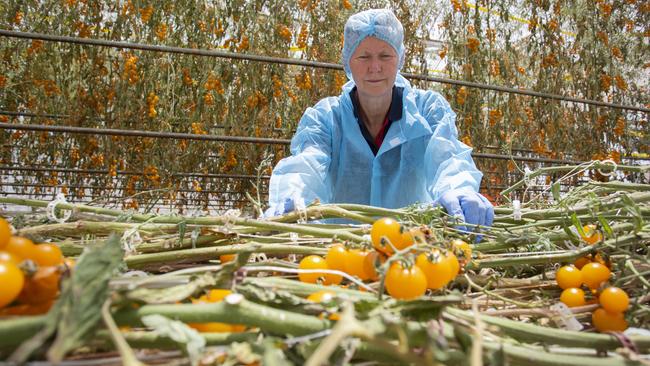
[
  {"x": 468, "y": 206},
  {"x": 281, "y": 209}
]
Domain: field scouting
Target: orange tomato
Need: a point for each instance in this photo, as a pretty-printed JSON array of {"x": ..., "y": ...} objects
[
  {"x": 386, "y": 230},
  {"x": 573, "y": 297},
  {"x": 225, "y": 258},
  {"x": 355, "y": 264},
  {"x": 454, "y": 265},
  {"x": 22, "y": 248},
  {"x": 405, "y": 283},
  {"x": 12, "y": 280},
  {"x": 47, "y": 254},
  {"x": 336, "y": 257},
  {"x": 412, "y": 236},
  {"x": 592, "y": 234},
  {"x": 215, "y": 295},
  {"x": 605, "y": 321},
  {"x": 436, "y": 269},
  {"x": 580, "y": 262},
  {"x": 317, "y": 262},
  {"x": 9, "y": 257},
  {"x": 42, "y": 287},
  {"x": 568, "y": 277},
  {"x": 5, "y": 233},
  {"x": 322, "y": 296},
  {"x": 594, "y": 274},
  {"x": 614, "y": 300},
  {"x": 369, "y": 264},
  {"x": 27, "y": 309},
  {"x": 462, "y": 250}
]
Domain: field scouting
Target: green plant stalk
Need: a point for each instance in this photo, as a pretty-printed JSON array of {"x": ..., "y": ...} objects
[
  {"x": 566, "y": 168},
  {"x": 580, "y": 209},
  {"x": 126, "y": 353},
  {"x": 528, "y": 333},
  {"x": 558, "y": 236},
  {"x": 74, "y": 207},
  {"x": 568, "y": 256},
  {"x": 144, "y": 339},
  {"x": 305, "y": 289},
  {"x": 13, "y": 331},
  {"x": 323, "y": 212},
  {"x": 79, "y": 228},
  {"x": 502, "y": 298},
  {"x": 140, "y": 261},
  {"x": 245, "y": 312}
]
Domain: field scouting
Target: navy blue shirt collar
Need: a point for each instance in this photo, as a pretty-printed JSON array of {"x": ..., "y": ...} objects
[{"x": 394, "y": 113}]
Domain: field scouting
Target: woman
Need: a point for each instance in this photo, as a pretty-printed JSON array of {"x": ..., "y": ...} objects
[{"x": 381, "y": 142}]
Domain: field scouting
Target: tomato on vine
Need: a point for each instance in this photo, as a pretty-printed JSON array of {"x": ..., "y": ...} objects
[
  {"x": 317, "y": 262},
  {"x": 225, "y": 258},
  {"x": 573, "y": 297},
  {"x": 5, "y": 233},
  {"x": 614, "y": 300},
  {"x": 12, "y": 280},
  {"x": 454, "y": 265},
  {"x": 47, "y": 254},
  {"x": 591, "y": 234},
  {"x": 436, "y": 269},
  {"x": 580, "y": 262},
  {"x": 410, "y": 237},
  {"x": 604, "y": 321},
  {"x": 355, "y": 263},
  {"x": 369, "y": 262},
  {"x": 22, "y": 248},
  {"x": 9, "y": 257},
  {"x": 405, "y": 282},
  {"x": 462, "y": 248},
  {"x": 384, "y": 233},
  {"x": 568, "y": 277},
  {"x": 336, "y": 257},
  {"x": 42, "y": 286},
  {"x": 322, "y": 296},
  {"x": 594, "y": 274}
]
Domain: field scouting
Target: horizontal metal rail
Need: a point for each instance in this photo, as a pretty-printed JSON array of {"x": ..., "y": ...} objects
[
  {"x": 190, "y": 136},
  {"x": 141, "y": 133},
  {"x": 289, "y": 61},
  {"x": 124, "y": 172}
]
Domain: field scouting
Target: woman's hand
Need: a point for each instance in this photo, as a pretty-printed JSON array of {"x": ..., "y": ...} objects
[{"x": 468, "y": 206}]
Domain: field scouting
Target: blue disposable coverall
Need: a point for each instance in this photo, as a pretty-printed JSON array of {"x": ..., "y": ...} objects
[{"x": 419, "y": 160}]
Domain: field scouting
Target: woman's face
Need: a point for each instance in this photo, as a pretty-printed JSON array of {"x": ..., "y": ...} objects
[{"x": 374, "y": 67}]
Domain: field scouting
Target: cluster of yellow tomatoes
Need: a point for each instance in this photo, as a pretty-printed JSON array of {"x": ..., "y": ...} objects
[
  {"x": 29, "y": 273},
  {"x": 404, "y": 279},
  {"x": 594, "y": 272}
]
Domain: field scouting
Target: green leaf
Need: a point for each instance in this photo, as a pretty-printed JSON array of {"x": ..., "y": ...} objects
[
  {"x": 179, "y": 332},
  {"x": 426, "y": 309},
  {"x": 555, "y": 191},
  {"x": 605, "y": 225}
]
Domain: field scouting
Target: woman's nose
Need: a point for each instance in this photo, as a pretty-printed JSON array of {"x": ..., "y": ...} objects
[{"x": 375, "y": 66}]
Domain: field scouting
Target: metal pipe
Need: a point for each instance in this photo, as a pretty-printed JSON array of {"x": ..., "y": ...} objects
[{"x": 288, "y": 61}]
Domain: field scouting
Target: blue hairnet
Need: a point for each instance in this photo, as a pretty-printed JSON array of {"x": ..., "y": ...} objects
[{"x": 379, "y": 23}]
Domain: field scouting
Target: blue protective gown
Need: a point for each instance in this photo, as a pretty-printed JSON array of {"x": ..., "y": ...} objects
[{"x": 420, "y": 158}]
